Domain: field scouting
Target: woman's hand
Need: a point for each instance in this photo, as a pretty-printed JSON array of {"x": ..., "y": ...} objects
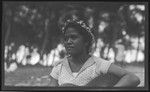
[
  {"x": 53, "y": 82},
  {"x": 68, "y": 85}
]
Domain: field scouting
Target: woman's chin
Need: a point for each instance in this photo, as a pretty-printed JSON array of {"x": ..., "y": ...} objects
[{"x": 73, "y": 53}]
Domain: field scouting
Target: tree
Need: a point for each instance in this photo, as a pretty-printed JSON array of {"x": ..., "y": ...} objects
[{"x": 134, "y": 18}]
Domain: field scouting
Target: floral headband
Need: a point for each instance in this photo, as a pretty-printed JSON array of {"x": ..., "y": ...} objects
[{"x": 81, "y": 24}]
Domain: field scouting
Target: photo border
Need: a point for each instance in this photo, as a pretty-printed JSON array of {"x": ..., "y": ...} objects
[{"x": 45, "y": 88}]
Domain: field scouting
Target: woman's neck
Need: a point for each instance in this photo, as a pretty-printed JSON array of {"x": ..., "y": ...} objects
[
  {"x": 76, "y": 63},
  {"x": 79, "y": 59}
]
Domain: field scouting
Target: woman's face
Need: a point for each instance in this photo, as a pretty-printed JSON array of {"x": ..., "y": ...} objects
[{"x": 74, "y": 41}]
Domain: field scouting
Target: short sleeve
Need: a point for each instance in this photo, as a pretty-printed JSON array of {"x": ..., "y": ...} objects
[
  {"x": 102, "y": 66},
  {"x": 55, "y": 71},
  {"x": 105, "y": 66}
]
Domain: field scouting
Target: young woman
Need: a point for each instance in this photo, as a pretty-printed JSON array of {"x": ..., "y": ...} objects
[{"x": 79, "y": 67}]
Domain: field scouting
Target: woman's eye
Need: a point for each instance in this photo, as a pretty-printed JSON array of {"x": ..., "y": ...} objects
[{"x": 73, "y": 37}]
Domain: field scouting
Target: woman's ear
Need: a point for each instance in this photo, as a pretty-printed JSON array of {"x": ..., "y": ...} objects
[{"x": 63, "y": 42}]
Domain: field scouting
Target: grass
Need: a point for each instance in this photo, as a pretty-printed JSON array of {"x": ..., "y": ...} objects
[
  {"x": 27, "y": 76},
  {"x": 38, "y": 76}
]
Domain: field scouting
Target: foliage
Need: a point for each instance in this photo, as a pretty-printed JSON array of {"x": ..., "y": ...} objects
[{"x": 38, "y": 23}]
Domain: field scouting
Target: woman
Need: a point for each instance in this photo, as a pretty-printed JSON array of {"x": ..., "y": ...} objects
[{"x": 79, "y": 68}]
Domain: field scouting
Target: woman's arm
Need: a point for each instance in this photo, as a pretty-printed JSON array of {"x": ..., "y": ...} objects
[
  {"x": 53, "y": 82},
  {"x": 127, "y": 79}
]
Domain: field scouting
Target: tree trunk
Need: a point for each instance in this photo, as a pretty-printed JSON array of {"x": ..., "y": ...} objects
[
  {"x": 108, "y": 52},
  {"x": 45, "y": 37},
  {"x": 137, "y": 49},
  {"x": 8, "y": 23},
  {"x": 7, "y": 20}
]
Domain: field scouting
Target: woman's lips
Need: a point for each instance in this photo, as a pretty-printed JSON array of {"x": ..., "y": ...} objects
[{"x": 69, "y": 47}]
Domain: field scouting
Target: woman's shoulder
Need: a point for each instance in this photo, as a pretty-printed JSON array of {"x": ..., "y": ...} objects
[
  {"x": 102, "y": 65},
  {"x": 98, "y": 59}
]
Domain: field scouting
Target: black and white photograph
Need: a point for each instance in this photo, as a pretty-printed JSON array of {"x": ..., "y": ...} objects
[{"x": 74, "y": 45}]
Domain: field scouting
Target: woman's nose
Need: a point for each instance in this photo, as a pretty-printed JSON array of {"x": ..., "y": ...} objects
[{"x": 69, "y": 40}]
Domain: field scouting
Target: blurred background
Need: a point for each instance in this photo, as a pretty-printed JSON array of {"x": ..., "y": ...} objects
[{"x": 33, "y": 40}]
